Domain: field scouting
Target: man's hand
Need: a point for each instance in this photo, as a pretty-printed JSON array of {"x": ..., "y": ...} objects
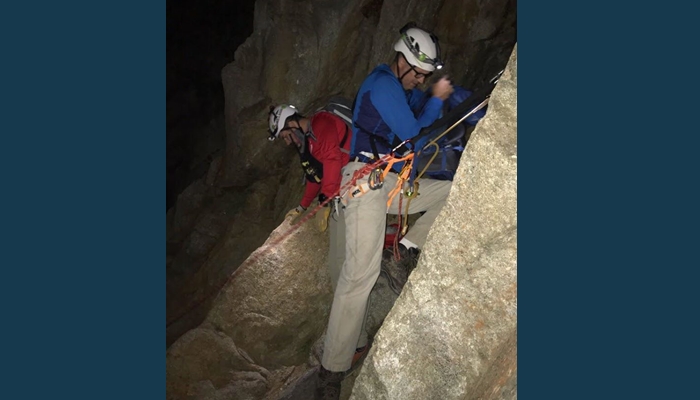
[
  {"x": 294, "y": 213},
  {"x": 442, "y": 89}
]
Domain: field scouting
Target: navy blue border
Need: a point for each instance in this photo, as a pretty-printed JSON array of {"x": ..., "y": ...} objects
[
  {"x": 607, "y": 201},
  {"x": 83, "y": 157}
]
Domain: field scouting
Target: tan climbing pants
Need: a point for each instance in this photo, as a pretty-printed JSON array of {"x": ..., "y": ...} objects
[
  {"x": 336, "y": 258},
  {"x": 365, "y": 220}
]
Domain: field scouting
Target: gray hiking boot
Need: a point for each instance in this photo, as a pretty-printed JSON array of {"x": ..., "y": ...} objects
[
  {"x": 328, "y": 387},
  {"x": 396, "y": 271}
]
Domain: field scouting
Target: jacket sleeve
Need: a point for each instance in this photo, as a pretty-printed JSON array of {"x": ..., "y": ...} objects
[
  {"x": 417, "y": 99},
  {"x": 389, "y": 99},
  {"x": 310, "y": 192},
  {"x": 329, "y": 154}
]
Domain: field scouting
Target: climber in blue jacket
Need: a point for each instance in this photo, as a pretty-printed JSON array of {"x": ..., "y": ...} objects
[{"x": 389, "y": 109}]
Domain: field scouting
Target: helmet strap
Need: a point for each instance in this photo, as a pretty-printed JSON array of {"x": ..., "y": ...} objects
[
  {"x": 302, "y": 139},
  {"x": 300, "y": 134},
  {"x": 300, "y": 128},
  {"x": 396, "y": 62}
]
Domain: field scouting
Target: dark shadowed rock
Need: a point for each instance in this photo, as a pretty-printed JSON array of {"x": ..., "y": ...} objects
[
  {"x": 225, "y": 227},
  {"x": 204, "y": 361},
  {"x": 301, "y": 388}
]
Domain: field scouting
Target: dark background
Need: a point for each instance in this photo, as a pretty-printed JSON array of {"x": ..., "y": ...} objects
[{"x": 201, "y": 38}]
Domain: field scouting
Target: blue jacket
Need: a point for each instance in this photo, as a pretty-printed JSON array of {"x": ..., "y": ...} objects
[{"x": 385, "y": 109}]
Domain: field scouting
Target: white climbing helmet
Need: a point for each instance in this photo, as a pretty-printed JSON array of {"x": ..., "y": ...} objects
[
  {"x": 278, "y": 117},
  {"x": 420, "y": 48}
]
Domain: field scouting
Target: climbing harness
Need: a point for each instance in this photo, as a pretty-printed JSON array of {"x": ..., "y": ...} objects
[
  {"x": 313, "y": 169},
  {"x": 377, "y": 176}
]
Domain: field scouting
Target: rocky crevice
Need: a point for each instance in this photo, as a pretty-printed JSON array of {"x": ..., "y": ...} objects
[{"x": 247, "y": 325}]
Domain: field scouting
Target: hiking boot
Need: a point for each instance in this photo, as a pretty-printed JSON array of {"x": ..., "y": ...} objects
[
  {"x": 397, "y": 272},
  {"x": 357, "y": 358},
  {"x": 360, "y": 353},
  {"x": 328, "y": 387}
]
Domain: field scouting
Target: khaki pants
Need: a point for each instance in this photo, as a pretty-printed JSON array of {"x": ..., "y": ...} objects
[
  {"x": 365, "y": 223},
  {"x": 336, "y": 258}
]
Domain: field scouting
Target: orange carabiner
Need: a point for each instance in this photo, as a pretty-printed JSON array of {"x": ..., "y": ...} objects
[{"x": 403, "y": 177}]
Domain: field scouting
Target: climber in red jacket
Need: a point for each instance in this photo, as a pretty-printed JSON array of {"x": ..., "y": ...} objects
[{"x": 323, "y": 142}]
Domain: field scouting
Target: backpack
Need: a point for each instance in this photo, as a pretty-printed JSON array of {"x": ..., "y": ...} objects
[
  {"x": 450, "y": 147},
  {"x": 444, "y": 165},
  {"x": 341, "y": 107}
]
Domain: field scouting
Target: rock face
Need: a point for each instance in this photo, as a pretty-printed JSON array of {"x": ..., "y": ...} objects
[
  {"x": 267, "y": 316},
  {"x": 452, "y": 332},
  {"x": 275, "y": 305}
]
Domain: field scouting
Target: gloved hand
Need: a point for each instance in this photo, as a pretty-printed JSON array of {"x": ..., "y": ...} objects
[
  {"x": 322, "y": 214},
  {"x": 322, "y": 218},
  {"x": 294, "y": 213},
  {"x": 442, "y": 89}
]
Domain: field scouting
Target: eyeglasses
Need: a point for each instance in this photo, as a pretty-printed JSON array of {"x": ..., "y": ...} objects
[
  {"x": 420, "y": 74},
  {"x": 415, "y": 71}
]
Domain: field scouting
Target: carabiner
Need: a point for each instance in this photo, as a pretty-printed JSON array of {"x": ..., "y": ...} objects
[
  {"x": 411, "y": 191},
  {"x": 376, "y": 179}
]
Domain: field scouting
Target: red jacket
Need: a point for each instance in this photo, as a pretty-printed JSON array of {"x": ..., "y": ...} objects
[{"x": 329, "y": 131}]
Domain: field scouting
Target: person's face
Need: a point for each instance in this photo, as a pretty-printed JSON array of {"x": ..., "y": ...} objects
[
  {"x": 288, "y": 135},
  {"x": 416, "y": 76}
]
